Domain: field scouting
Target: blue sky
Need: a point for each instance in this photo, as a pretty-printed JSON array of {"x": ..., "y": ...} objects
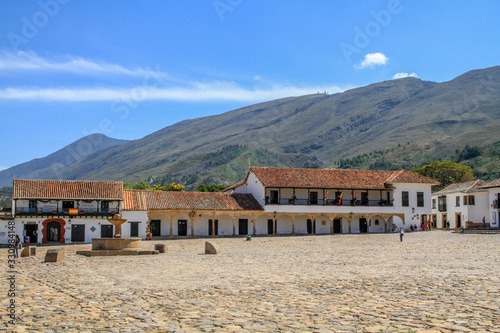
[{"x": 69, "y": 68}]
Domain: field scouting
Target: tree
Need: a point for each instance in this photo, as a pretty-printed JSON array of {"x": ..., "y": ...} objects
[
  {"x": 210, "y": 188},
  {"x": 446, "y": 172},
  {"x": 142, "y": 185},
  {"x": 169, "y": 187}
]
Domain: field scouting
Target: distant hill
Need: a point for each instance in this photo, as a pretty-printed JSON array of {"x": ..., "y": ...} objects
[
  {"x": 397, "y": 123},
  {"x": 49, "y": 167}
]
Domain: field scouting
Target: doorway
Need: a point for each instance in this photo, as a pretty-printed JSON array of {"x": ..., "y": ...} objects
[
  {"x": 182, "y": 227},
  {"x": 77, "y": 233},
  {"x": 337, "y": 224},
  {"x": 311, "y": 226},
  {"x": 363, "y": 225},
  {"x": 106, "y": 231},
  {"x": 53, "y": 231},
  {"x": 31, "y": 231},
  {"x": 314, "y": 198},
  {"x": 458, "y": 220},
  {"x": 269, "y": 226},
  {"x": 155, "y": 227},
  {"x": 215, "y": 226},
  {"x": 242, "y": 226}
]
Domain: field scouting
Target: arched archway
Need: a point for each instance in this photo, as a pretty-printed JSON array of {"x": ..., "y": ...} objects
[{"x": 54, "y": 229}]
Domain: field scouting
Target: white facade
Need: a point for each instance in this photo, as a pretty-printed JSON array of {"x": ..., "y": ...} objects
[
  {"x": 494, "y": 206},
  {"x": 292, "y": 208},
  {"x": 461, "y": 208}
]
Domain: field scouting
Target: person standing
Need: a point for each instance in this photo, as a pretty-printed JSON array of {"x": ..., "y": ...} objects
[
  {"x": 401, "y": 234},
  {"x": 17, "y": 242},
  {"x": 484, "y": 222},
  {"x": 447, "y": 226}
]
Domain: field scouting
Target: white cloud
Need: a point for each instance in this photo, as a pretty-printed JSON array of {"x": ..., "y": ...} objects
[
  {"x": 3, "y": 167},
  {"x": 403, "y": 75},
  {"x": 196, "y": 92},
  {"x": 24, "y": 61},
  {"x": 372, "y": 60}
]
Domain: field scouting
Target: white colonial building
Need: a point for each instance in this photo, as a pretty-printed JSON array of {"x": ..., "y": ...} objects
[
  {"x": 462, "y": 205},
  {"x": 64, "y": 211},
  {"x": 493, "y": 189},
  {"x": 272, "y": 201},
  {"x": 323, "y": 201}
]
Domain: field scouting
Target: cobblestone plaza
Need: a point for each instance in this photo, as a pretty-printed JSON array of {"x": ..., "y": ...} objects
[{"x": 431, "y": 282}]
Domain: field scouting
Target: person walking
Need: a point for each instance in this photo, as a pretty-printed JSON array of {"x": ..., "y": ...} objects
[
  {"x": 401, "y": 234},
  {"x": 17, "y": 242},
  {"x": 447, "y": 226},
  {"x": 484, "y": 222}
]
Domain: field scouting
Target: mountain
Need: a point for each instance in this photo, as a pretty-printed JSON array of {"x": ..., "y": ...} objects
[
  {"x": 397, "y": 123},
  {"x": 49, "y": 167}
]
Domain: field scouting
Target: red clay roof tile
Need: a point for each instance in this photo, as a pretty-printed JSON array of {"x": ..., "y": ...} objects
[
  {"x": 336, "y": 179},
  {"x": 67, "y": 189},
  {"x": 189, "y": 201}
]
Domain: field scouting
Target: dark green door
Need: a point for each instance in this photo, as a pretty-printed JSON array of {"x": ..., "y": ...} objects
[
  {"x": 242, "y": 226},
  {"x": 154, "y": 227},
  {"x": 134, "y": 229},
  {"x": 106, "y": 231},
  {"x": 182, "y": 227},
  {"x": 336, "y": 226},
  {"x": 311, "y": 226},
  {"x": 363, "y": 225},
  {"x": 78, "y": 233}
]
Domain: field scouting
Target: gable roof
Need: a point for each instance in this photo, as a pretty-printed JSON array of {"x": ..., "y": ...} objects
[
  {"x": 466, "y": 187},
  {"x": 66, "y": 189},
  {"x": 336, "y": 179},
  {"x": 495, "y": 183},
  {"x": 144, "y": 200}
]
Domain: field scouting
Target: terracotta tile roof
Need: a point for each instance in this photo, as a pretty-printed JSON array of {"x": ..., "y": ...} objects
[
  {"x": 190, "y": 201},
  {"x": 495, "y": 183},
  {"x": 336, "y": 179},
  {"x": 466, "y": 187},
  {"x": 67, "y": 189},
  {"x": 232, "y": 187},
  {"x": 134, "y": 200}
]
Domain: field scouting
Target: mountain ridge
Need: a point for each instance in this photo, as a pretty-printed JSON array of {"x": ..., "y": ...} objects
[{"x": 316, "y": 130}]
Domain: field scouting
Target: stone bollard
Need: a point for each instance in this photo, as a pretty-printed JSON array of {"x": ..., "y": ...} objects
[
  {"x": 29, "y": 251},
  {"x": 54, "y": 255},
  {"x": 161, "y": 248},
  {"x": 211, "y": 248}
]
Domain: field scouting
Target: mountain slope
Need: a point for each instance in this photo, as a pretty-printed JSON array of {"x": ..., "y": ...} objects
[
  {"x": 49, "y": 167},
  {"x": 312, "y": 130}
]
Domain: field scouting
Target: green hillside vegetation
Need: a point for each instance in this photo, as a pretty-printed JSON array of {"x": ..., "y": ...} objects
[
  {"x": 5, "y": 197},
  {"x": 394, "y": 124}
]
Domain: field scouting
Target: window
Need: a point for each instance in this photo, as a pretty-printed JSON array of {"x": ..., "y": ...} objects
[
  {"x": 364, "y": 198},
  {"x": 274, "y": 197},
  {"x": 134, "y": 229},
  {"x": 32, "y": 204},
  {"x": 472, "y": 200},
  {"x": 458, "y": 201},
  {"x": 442, "y": 203},
  {"x": 68, "y": 204},
  {"x": 104, "y": 206},
  {"x": 404, "y": 199},
  {"x": 465, "y": 200},
  {"x": 420, "y": 199},
  {"x": 433, "y": 203}
]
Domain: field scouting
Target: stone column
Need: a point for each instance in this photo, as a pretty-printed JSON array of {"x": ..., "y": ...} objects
[
  {"x": 192, "y": 225},
  {"x": 349, "y": 221},
  {"x": 293, "y": 224},
  {"x": 274, "y": 225},
  {"x": 234, "y": 225},
  {"x": 254, "y": 228},
  {"x": 331, "y": 224},
  {"x": 171, "y": 218}
]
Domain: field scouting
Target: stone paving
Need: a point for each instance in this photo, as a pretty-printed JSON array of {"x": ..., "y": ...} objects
[{"x": 431, "y": 282}]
